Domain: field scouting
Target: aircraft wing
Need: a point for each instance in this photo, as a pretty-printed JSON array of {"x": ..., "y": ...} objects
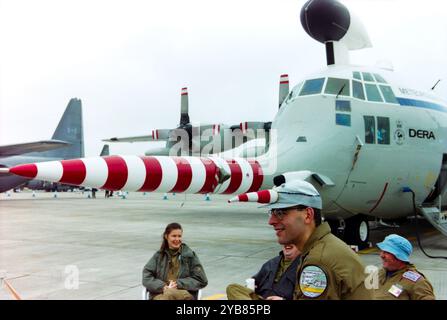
[
  {"x": 156, "y": 135},
  {"x": 21, "y": 148}
]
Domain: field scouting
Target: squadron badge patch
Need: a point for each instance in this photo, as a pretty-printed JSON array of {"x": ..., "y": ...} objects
[
  {"x": 313, "y": 281},
  {"x": 411, "y": 275}
]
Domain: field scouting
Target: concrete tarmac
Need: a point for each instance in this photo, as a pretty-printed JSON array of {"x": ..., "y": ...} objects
[{"x": 47, "y": 243}]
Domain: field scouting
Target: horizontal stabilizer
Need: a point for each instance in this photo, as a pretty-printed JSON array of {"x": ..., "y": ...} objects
[{"x": 37, "y": 146}]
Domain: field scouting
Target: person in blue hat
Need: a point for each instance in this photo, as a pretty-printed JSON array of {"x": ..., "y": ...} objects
[{"x": 399, "y": 279}]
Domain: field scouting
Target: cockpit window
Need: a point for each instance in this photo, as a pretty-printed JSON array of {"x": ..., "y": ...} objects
[
  {"x": 337, "y": 86},
  {"x": 372, "y": 93},
  {"x": 343, "y": 105},
  {"x": 296, "y": 90},
  {"x": 312, "y": 86},
  {"x": 370, "y": 129},
  {"x": 379, "y": 78},
  {"x": 367, "y": 76},
  {"x": 383, "y": 130},
  {"x": 356, "y": 75},
  {"x": 388, "y": 94},
  {"x": 293, "y": 93},
  {"x": 343, "y": 119},
  {"x": 357, "y": 90}
]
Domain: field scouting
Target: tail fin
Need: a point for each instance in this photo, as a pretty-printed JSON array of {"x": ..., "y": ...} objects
[
  {"x": 283, "y": 88},
  {"x": 105, "y": 151},
  {"x": 184, "y": 115},
  {"x": 70, "y": 129}
]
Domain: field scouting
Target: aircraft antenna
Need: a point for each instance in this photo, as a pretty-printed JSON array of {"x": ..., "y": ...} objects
[{"x": 433, "y": 88}]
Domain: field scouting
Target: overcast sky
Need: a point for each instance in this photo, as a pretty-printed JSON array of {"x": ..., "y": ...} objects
[{"x": 127, "y": 60}]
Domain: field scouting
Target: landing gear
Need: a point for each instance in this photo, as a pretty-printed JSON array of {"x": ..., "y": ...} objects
[
  {"x": 357, "y": 231},
  {"x": 353, "y": 231}
]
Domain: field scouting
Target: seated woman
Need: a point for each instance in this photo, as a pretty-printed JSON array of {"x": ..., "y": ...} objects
[{"x": 174, "y": 272}]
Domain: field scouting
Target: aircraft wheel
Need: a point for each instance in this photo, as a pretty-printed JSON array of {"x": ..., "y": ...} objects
[{"x": 357, "y": 231}]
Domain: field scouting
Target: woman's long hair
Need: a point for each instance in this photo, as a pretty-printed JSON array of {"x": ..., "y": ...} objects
[{"x": 169, "y": 228}]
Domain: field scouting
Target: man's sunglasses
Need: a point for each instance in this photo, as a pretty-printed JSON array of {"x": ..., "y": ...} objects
[{"x": 280, "y": 213}]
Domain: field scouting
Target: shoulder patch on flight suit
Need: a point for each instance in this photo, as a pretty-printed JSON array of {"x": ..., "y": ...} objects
[
  {"x": 412, "y": 276},
  {"x": 313, "y": 281}
]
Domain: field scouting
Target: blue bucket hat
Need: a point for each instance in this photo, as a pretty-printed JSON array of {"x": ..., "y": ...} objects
[
  {"x": 296, "y": 192},
  {"x": 400, "y": 247}
]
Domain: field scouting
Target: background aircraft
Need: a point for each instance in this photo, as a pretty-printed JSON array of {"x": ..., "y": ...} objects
[
  {"x": 206, "y": 139},
  {"x": 67, "y": 142},
  {"x": 373, "y": 146}
]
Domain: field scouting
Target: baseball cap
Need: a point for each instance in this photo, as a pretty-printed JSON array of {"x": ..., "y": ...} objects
[{"x": 294, "y": 193}]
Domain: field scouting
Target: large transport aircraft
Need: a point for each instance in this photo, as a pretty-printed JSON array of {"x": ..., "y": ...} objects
[
  {"x": 67, "y": 142},
  {"x": 366, "y": 141},
  {"x": 205, "y": 139}
]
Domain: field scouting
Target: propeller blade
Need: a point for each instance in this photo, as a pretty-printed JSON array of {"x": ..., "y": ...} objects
[
  {"x": 184, "y": 107},
  {"x": 283, "y": 88}
]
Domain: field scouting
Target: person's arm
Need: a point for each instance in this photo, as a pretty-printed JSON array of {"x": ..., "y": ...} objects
[
  {"x": 150, "y": 281},
  {"x": 423, "y": 290},
  {"x": 197, "y": 278},
  {"x": 260, "y": 277}
]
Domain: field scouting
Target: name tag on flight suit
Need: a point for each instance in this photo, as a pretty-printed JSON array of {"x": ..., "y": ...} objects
[{"x": 396, "y": 290}]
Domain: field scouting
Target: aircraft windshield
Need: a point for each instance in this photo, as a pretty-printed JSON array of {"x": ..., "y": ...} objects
[
  {"x": 388, "y": 94},
  {"x": 367, "y": 76},
  {"x": 312, "y": 86},
  {"x": 373, "y": 93},
  {"x": 379, "y": 78},
  {"x": 337, "y": 86},
  {"x": 357, "y": 75},
  {"x": 357, "y": 90}
]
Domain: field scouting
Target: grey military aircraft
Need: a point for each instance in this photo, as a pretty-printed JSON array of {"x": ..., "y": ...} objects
[
  {"x": 373, "y": 146},
  {"x": 203, "y": 139},
  {"x": 67, "y": 142}
]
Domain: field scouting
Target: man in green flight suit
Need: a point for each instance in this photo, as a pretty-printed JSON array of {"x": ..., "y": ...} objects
[
  {"x": 399, "y": 279},
  {"x": 329, "y": 268}
]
